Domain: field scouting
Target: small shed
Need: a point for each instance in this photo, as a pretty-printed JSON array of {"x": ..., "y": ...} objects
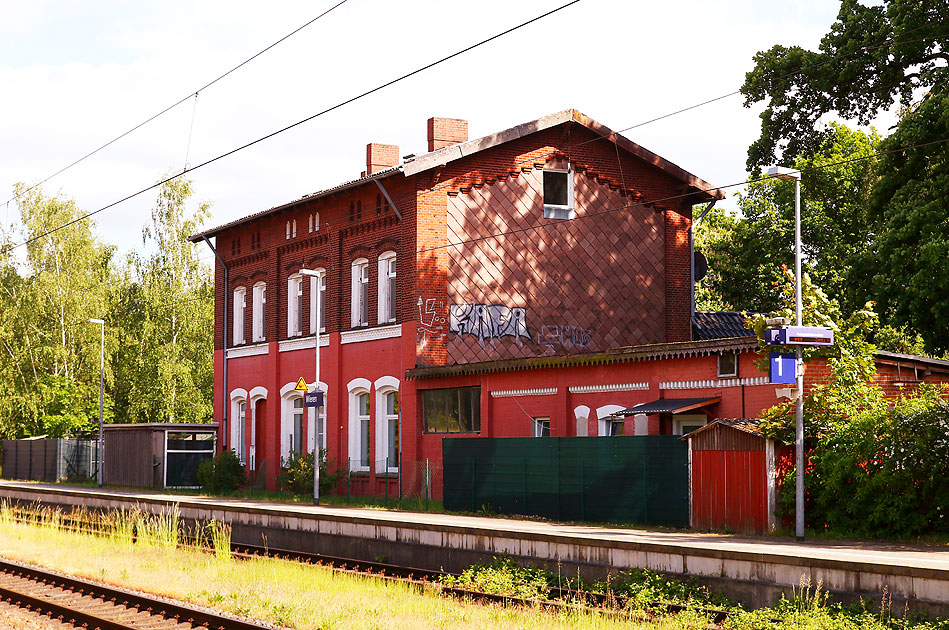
[
  {"x": 731, "y": 477},
  {"x": 156, "y": 455}
]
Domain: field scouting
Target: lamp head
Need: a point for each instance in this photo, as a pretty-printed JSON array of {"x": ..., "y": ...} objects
[
  {"x": 780, "y": 172},
  {"x": 96, "y": 321}
]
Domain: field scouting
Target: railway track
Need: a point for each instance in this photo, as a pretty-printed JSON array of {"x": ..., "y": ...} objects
[
  {"x": 607, "y": 604},
  {"x": 91, "y": 606}
]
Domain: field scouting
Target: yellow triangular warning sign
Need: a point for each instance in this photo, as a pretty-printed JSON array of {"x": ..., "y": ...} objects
[{"x": 301, "y": 385}]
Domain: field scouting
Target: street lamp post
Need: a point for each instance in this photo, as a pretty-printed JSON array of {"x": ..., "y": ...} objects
[
  {"x": 316, "y": 385},
  {"x": 784, "y": 173},
  {"x": 100, "y": 450}
]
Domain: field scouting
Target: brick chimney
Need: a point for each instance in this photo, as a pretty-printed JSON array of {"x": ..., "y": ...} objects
[
  {"x": 380, "y": 157},
  {"x": 443, "y": 132}
]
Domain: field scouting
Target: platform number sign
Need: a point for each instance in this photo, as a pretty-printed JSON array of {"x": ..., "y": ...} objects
[{"x": 781, "y": 367}]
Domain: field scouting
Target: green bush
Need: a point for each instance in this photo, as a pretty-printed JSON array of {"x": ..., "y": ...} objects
[
  {"x": 296, "y": 474},
  {"x": 221, "y": 474}
]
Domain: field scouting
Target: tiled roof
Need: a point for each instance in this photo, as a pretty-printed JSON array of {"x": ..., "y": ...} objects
[
  {"x": 442, "y": 156},
  {"x": 648, "y": 352},
  {"x": 708, "y": 325}
]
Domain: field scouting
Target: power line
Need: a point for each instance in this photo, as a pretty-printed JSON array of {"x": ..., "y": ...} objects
[
  {"x": 294, "y": 125},
  {"x": 802, "y": 71},
  {"x": 679, "y": 196},
  {"x": 193, "y": 93}
]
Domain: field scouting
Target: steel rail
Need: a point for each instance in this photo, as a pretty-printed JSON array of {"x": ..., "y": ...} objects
[
  {"x": 608, "y": 604},
  {"x": 134, "y": 601}
]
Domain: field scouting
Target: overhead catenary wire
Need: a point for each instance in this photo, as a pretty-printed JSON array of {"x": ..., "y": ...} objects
[
  {"x": 177, "y": 103},
  {"x": 294, "y": 125},
  {"x": 655, "y": 119},
  {"x": 836, "y": 58}
]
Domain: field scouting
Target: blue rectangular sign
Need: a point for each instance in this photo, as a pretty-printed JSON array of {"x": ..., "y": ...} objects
[
  {"x": 313, "y": 399},
  {"x": 781, "y": 367}
]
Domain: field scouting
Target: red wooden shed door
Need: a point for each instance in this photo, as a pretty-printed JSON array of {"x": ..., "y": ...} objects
[{"x": 729, "y": 491}]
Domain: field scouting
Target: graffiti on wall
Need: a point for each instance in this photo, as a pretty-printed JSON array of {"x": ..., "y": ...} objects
[
  {"x": 431, "y": 319},
  {"x": 489, "y": 321},
  {"x": 557, "y": 336}
]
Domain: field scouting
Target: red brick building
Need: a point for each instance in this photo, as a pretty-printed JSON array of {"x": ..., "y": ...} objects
[{"x": 533, "y": 281}]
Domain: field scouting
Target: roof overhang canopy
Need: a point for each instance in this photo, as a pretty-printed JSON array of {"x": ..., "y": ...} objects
[{"x": 668, "y": 405}]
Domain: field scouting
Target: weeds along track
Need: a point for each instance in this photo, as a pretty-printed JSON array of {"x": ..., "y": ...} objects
[
  {"x": 89, "y": 605},
  {"x": 553, "y": 598}
]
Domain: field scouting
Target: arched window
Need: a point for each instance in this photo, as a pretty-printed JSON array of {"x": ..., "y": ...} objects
[
  {"x": 387, "y": 288},
  {"x": 387, "y": 425},
  {"x": 259, "y": 311},
  {"x": 240, "y": 305},
  {"x": 607, "y": 424},
  {"x": 238, "y": 430},
  {"x": 359, "y": 309},
  {"x": 295, "y": 305},
  {"x": 294, "y": 232},
  {"x": 288, "y": 230},
  {"x": 359, "y": 425},
  {"x": 318, "y": 284}
]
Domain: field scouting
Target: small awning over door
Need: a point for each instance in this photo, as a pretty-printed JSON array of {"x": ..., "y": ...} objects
[{"x": 668, "y": 405}]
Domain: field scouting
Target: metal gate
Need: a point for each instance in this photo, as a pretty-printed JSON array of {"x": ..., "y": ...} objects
[{"x": 622, "y": 479}]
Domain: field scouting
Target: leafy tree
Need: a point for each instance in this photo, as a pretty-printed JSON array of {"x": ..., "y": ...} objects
[
  {"x": 873, "y": 55},
  {"x": 746, "y": 253},
  {"x": 50, "y": 360},
  {"x": 906, "y": 269},
  {"x": 876, "y": 466},
  {"x": 165, "y": 302}
]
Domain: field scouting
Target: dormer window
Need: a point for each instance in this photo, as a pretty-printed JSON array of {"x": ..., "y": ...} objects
[{"x": 558, "y": 194}]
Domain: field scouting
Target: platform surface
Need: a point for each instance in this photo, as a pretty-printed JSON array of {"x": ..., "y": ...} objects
[{"x": 933, "y": 557}]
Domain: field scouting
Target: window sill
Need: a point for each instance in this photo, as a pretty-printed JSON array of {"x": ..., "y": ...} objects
[
  {"x": 370, "y": 334},
  {"x": 248, "y": 350}
]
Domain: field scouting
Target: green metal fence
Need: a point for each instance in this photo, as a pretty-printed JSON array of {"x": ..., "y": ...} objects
[{"x": 622, "y": 479}]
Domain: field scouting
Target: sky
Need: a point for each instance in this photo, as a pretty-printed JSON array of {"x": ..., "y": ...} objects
[{"x": 74, "y": 75}]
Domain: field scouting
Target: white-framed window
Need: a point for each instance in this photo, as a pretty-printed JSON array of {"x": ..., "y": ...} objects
[
  {"x": 558, "y": 194},
  {"x": 686, "y": 423},
  {"x": 728, "y": 364},
  {"x": 295, "y": 305},
  {"x": 387, "y": 424},
  {"x": 607, "y": 424},
  {"x": 296, "y": 428},
  {"x": 318, "y": 282},
  {"x": 259, "y": 304},
  {"x": 294, "y": 232},
  {"x": 359, "y": 425},
  {"x": 241, "y": 431},
  {"x": 288, "y": 230},
  {"x": 311, "y": 224},
  {"x": 238, "y": 419},
  {"x": 240, "y": 304},
  {"x": 540, "y": 427},
  {"x": 360, "y": 293},
  {"x": 387, "y": 288}
]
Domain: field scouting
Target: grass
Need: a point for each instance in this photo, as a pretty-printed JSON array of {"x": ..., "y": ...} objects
[
  {"x": 280, "y": 592},
  {"x": 141, "y": 551}
]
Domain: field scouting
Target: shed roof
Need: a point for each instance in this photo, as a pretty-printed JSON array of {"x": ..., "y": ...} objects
[
  {"x": 443, "y": 156},
  {"x": 163, "y": 426},
  {"x": 669, "y": 405},
  {"x": 745, "y": 425}
]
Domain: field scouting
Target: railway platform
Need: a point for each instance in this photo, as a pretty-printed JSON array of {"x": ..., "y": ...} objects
[{"x": 753, "y": 570}]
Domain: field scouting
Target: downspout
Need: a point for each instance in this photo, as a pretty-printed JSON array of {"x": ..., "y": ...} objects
[
  {"x": 692, "y": 262},
  {"x": 224, "y": 339}
]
